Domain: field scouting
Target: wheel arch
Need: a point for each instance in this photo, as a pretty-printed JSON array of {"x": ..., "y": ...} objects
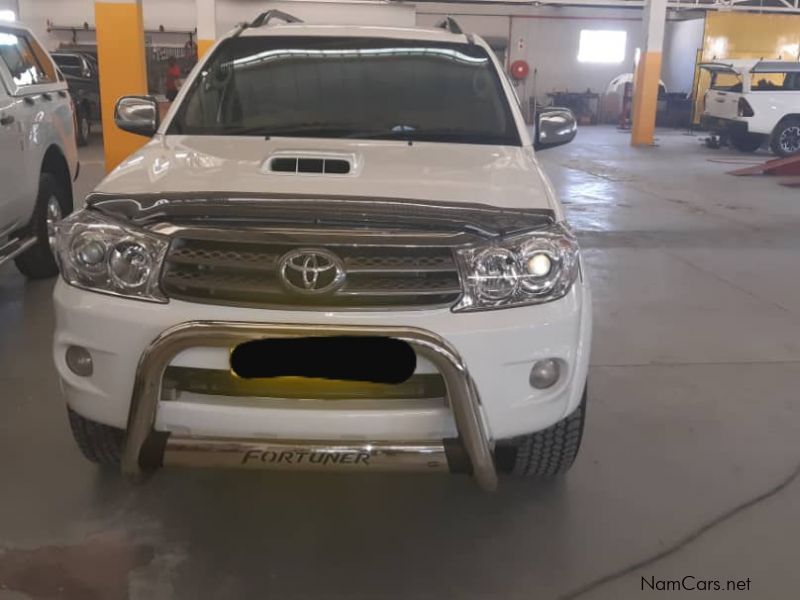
[
  {"x": 785, "y": 118},
  {"x": 55, "y": 163}
]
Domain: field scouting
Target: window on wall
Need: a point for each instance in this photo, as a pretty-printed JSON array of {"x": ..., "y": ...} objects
[{"x": 602, "y": 46}]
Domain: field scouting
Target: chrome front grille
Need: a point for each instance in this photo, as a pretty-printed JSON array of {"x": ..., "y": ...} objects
[{"x": 246, "y": 272}]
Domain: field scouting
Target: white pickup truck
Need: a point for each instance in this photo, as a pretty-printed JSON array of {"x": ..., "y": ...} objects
[
  {"x": 753, "y": 102},
  {"x": 337, "y": 251},
  {"x": 38, "y": 150}
]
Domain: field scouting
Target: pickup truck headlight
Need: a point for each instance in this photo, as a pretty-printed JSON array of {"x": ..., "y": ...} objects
[
  {"x": 533, "y": 268},
  {"x": 99, "y": 254}
]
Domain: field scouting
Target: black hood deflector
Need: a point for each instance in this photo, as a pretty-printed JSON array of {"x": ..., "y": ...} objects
[{"x": 205, "y": 209}]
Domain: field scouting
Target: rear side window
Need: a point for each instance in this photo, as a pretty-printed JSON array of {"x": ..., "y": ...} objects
[
  {"x": 775, "y": 82},
  {"x": 25, "y": 59}
]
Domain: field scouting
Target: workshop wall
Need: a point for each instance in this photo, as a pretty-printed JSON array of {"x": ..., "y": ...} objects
[
  {"x": 231, "y": 12},
  {"x": 682, "y": 40},
  {"x": 9, "y": 5},
  {"x": 180, "y": 15},
  {"x": 548, "y": 39}
]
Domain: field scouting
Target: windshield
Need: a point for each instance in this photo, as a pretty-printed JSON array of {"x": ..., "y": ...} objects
[{"x": 361, "y": 88}]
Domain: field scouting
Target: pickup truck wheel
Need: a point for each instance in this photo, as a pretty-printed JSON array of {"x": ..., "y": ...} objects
[
  {"x": 746, "y": 142},
  {"x": 786, "y": 137},
  {"x": 52, "y": 204},
  {"x": 99, "y": 443},
  {"x": 547, "y": 453},
  {"x": 84, "y": 127}
]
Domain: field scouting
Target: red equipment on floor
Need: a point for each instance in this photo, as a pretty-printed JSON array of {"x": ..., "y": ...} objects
[{"x": 778, "y": 166}]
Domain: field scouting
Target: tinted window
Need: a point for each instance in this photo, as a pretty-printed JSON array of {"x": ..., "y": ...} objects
[
  {"x": 349, "y": 87},
  {"x": 25, "y": 59},
  {"x": 776, "y": 82},
  {"x": 71, "y": 65}
]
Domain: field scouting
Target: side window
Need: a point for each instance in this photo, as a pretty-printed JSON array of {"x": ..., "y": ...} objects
[
  {"x": 792, "y": 82},
  {"x": 25, "y": 59}
]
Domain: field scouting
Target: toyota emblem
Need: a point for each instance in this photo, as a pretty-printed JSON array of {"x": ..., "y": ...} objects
[{"x": 311, "y": 271}]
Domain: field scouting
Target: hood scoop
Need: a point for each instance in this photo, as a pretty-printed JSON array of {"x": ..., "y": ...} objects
[{"x": 310, "y": 164}]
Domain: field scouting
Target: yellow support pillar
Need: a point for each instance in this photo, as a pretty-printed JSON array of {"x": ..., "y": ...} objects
[
  {"x": 123, "y": 70},
  {"x": 648, "y": 74},
  {"x": 206, "y": 26}
]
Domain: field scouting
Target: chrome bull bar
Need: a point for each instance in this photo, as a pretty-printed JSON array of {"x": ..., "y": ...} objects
[{"x": 283, "y": 454}]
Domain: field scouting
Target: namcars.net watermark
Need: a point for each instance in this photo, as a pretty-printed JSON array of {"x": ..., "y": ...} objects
[{"x": 690, "y": 583}]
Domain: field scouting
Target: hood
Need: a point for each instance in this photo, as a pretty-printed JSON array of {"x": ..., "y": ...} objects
[{"x": 499, "y": 176}]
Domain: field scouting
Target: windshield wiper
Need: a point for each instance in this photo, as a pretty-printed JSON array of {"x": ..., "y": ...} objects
[{"x": 306, "y": 129}]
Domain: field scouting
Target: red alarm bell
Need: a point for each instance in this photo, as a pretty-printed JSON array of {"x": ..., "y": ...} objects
[{"x": 519, "y": 69}]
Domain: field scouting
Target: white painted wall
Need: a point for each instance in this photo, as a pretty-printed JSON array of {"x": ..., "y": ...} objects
[
  {"x": 182, "y": 15},
  {"x": 231, "y": 12},
  {"x": 682, "y": 39},
  {"x": 547, "y": 38},
  {"x": 9, "y": 5}
]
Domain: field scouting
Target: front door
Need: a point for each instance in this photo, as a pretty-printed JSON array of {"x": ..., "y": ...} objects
[{"x": 13, "y": 204}]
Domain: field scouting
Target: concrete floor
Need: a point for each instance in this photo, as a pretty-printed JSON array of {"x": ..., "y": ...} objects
[{"x": 693, "y": 411}]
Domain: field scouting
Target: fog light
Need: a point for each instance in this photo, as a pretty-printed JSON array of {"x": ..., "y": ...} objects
[
  {"x": 545, "y": 373},
  {"x": 79, "y": 361}
]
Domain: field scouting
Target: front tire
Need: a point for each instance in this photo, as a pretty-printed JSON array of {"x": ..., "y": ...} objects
[
  {"x": 52, "y": 204},
  {"x": 746, "y": 142},
  {"x": 99, "y": 443},
  {"x": 786, "y": 137},
  {"x": 547, "y": 453}
]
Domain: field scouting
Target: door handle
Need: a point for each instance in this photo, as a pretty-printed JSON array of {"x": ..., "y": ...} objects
[
  {"x": 29, "y": 100},
  {"x": 47, "y": 96},
  {"x": 7, "y": 120}
]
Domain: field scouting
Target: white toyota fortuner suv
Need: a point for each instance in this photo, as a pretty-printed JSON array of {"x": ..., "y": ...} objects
[
  {"x": 338, "y": 251},
  {"x": 753, "y": 102},
  {"x": 39, "y": 157}
]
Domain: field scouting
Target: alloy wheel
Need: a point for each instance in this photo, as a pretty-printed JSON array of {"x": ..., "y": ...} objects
[{"x": 790, "y": 139}]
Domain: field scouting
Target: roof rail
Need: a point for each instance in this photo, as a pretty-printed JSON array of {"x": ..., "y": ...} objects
[
  {"x": 451, "y": 25},
  {"x": 264, "y": 19}
]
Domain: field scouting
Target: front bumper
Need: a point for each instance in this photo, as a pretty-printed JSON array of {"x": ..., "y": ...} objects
[{"x": 493, "y": 351}]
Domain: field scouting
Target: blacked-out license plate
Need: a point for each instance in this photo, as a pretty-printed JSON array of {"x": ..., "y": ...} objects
[{"x": 343, "y": 358}]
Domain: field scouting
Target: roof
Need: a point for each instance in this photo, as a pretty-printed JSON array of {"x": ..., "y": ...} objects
[
  {"x": 752, "y": 65},
  {"x": 370, "y": 31}
]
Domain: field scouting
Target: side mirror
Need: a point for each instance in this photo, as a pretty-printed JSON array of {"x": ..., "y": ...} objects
[
  {"x": 555, "y": 126},
  {"x": 137, "y": 114}
]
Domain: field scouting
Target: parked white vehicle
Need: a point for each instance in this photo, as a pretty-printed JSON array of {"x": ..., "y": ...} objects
[
  {"x": 38, "y": 149},
  {"x": 337, "y": 252},
  {"x": 754, "y": 102}
]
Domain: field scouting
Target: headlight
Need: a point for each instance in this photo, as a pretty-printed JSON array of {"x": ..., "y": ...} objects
[
  {"x": 99, "y": 254},
  {"x": 533, "y": 268}
]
